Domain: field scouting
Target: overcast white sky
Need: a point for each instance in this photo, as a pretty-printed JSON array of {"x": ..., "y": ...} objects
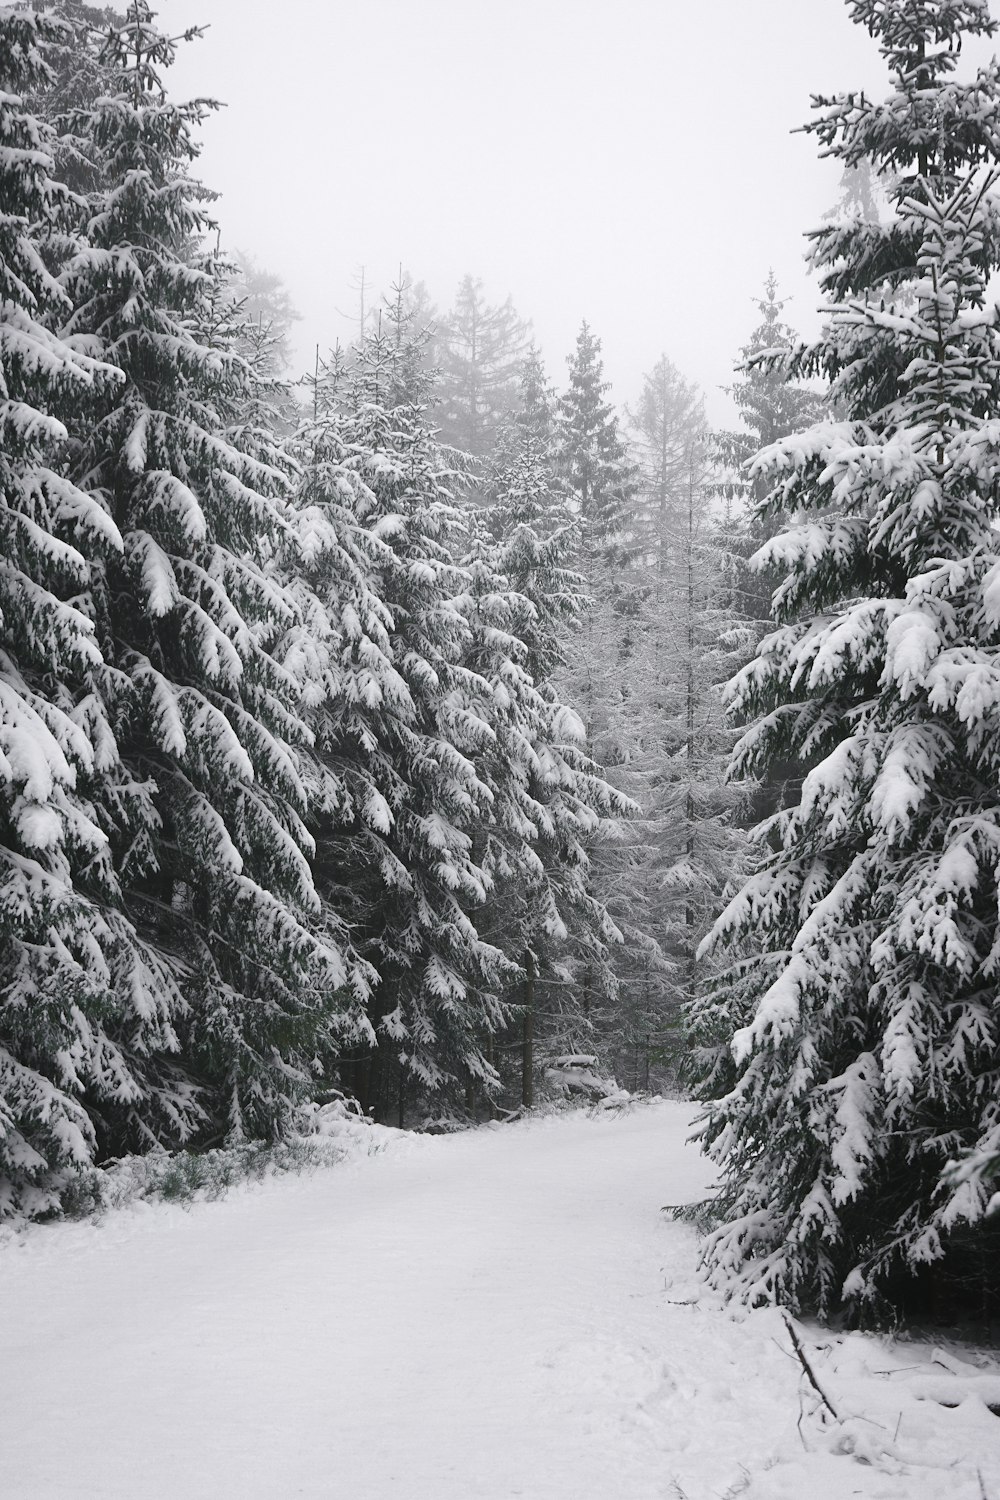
[{"x": 630, "y": 162}]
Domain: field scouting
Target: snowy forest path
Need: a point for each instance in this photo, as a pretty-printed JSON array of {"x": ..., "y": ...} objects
[{"x": 504, "y": 1313}]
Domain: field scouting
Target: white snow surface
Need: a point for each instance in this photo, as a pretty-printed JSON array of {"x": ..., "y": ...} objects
[{"x": 504, "y": 1312}]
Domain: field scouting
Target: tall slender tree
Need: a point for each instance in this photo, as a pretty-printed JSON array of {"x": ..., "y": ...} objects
[
  {"x": 771, "y": 405},
  {"x": 670, "y": 742},
  {"x": 669, "y": 429},
  {"x": 535, "y": 414},
  {"x": 594, "y": 460},
  {"x": 480, "y": 349},
  {"x": 549, "y": 797}
]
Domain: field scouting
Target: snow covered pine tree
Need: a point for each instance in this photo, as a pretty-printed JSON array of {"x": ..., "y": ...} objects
[
  {"x": 204, "y": 812},
  {"x": 771, "y": 406},
  {"x": 66, "y": 955},
  {"x": 397, "y": 728},
  {"x": 863, "y": 1122},
  {"x": 549, "y": 798}
]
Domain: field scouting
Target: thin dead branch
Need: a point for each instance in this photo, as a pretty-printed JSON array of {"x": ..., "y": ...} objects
[{"x": 807, "y": 1367}]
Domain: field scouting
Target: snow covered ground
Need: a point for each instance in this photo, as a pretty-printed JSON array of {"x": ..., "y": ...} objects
[{"x": 476, "y": 1317}]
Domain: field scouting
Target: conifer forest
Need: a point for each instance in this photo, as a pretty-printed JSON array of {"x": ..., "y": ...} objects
[{"x": 433, "y": 735}]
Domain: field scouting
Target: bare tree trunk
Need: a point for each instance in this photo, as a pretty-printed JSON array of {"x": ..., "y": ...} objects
[
  {"x": 528, "y": 1034},
  {"x": 689, "y": 914},
  {"x": 490, "y": 1058}
]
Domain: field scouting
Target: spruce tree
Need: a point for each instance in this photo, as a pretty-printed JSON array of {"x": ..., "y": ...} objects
[
  {"x": 548, "y": 796},
  {"x": 665, "y": 741},
  {"x": 669, "y": 427},
  {"x": 204, "y": 813},
  {"x": 480, "y": 348},
  {"x": 535, "y": 415},
  {"x": 593, "y": 458},
  {"x": 860, "y": 1129},
  {"x": 400, "y": 726},
  {"x": 771, "y": 405},
  {"x": 596, "y": 471},
  {"x": 266, "y": 305},
  {"x": 86, "y": 1008}
]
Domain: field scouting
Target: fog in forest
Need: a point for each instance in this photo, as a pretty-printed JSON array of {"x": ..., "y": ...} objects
[{"x": 632, "y": 164}]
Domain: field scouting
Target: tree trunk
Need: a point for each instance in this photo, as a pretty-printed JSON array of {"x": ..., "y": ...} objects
[
  {"x": 528, "y": 1034},
  {"x": 491, "y": 1059}
]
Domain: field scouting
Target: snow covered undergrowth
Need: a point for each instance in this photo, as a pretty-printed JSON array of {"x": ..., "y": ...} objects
[
  {"x": 329, "y": 1135},
  {"x": 469, "y": 1317}
]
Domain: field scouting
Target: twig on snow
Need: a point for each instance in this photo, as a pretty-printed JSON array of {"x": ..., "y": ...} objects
[
  {"x": 804, "y": 1362},
  {"x": 802, "y": 1417}
]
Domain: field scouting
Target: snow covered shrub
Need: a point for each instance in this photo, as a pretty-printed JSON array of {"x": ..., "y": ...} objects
[
  {"x": 865, "y": 1053},
  {"x": 320, "y": 1135},
  {"x": 577, "y": 1075}
]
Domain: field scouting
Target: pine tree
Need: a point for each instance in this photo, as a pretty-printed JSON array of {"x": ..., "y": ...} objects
[
  {"x": 669, "y": 426},
  {"x": 865, "y": 1059},
  {"x": 80, "y": 1025},
  {"x": 595, "y": 470},
  {"x": 668, "y": 739},
  {"x": 266, "y": 305},
  {"x": 548, "y": 796},
  {"x": 480, "y": 348},
  {"x": 204, "y": 811},
  {"x": 771, "y": 405},
  {"x": 593, "y": 459},
  {"x": 535, "y": 415},
  {"x": 400, "y": 727}
]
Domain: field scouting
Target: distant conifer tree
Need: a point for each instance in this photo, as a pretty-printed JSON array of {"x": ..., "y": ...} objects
[{"x": 479, "y": 348}]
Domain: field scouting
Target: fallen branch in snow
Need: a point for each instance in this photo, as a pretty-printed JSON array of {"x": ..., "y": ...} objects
[{"x": 804, "y": 1362}]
